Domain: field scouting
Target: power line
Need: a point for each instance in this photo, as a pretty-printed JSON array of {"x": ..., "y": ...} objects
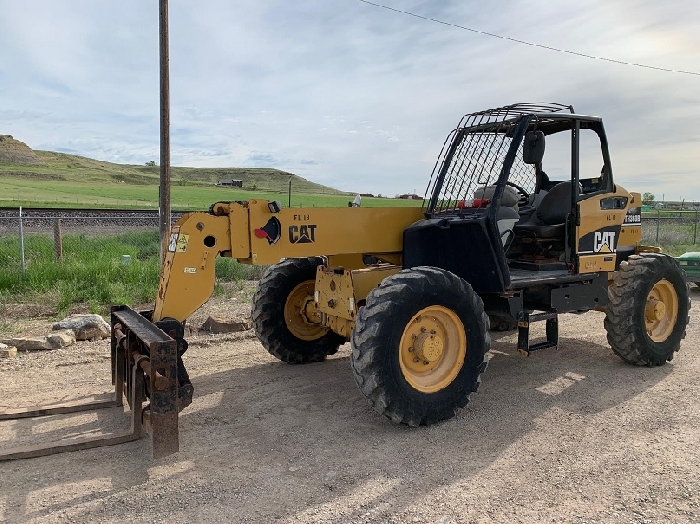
[{"x": 549, "y": 48}]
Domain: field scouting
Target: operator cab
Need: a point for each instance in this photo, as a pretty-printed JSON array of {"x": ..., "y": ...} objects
[
  {"x": 544, "y": 236},
  {"x": 493, "y": 215}
]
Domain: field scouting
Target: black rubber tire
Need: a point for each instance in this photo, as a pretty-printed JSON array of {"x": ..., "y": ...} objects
[
  {"x": 376, "y": 339},
  {"x": 627, "y": 297},
  {"x": 269, "y": 300}
]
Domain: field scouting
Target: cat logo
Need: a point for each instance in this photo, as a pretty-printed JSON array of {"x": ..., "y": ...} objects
[
  {"x": 604, "y": 242},
  {"x": 305, "y": 234}
]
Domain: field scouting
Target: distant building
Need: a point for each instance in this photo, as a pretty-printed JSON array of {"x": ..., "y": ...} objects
[
  {"x": 367, "y": 195},
  {"x": 230, "y": 183},
  {"x": 411, "y": 197}
]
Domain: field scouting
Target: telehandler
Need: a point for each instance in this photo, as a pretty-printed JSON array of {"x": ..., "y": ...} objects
[{"x": 413, "y": 289}]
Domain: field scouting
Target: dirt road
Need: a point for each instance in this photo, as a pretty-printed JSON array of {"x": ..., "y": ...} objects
[{"x": 568, "y": 436}]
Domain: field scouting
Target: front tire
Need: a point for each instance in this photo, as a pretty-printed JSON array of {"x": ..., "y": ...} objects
[
  {"x": 419, "y": 345},
  {"x": 648, "y": 309},
  {"x": 280, "y": 313}
]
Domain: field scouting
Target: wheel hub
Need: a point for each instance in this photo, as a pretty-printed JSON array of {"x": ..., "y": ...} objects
[
  {"x": 655, "y": 310},
  {"x": 300, "y": 315},
  {"x": 661, "y": 311},
  {"x": 428, "y": 347},
  {"x": 433, "y": 348}
]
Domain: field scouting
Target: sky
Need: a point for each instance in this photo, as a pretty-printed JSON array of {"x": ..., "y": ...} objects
[{"x": 345, "y": 93}]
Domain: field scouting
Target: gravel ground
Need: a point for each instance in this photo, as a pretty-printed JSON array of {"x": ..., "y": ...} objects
[{"x": 572, "y": 435}]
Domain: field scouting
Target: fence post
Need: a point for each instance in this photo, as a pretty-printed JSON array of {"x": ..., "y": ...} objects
[
  {"x": 58, "y": 240},
  {"x": 21, "y": 242},
  {"x": 658, "y": 221}
]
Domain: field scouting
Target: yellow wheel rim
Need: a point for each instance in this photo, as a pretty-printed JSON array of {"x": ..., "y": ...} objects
[
  {"x": 432, "y": 349},
  {"x": 300, "y": 315},
  {"x": 661, "y": 311}
]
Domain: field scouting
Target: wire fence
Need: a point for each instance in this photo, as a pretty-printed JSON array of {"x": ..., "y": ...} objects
[
  {"x": 671, "y": 228},
  {"x": 71, "y": 237},
  {"x": 125, "y": 237},
  {"x": 39, "y": 239}
]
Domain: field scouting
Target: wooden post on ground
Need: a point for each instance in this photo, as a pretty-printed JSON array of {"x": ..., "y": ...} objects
[{"x": 58, "y": 240}]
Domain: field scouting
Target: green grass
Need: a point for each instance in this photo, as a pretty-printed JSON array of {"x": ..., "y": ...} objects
[
  {"x": 91, "y": 273},
  {"x": 73, "y": 181},
  {"x": 38, "y": 193}
]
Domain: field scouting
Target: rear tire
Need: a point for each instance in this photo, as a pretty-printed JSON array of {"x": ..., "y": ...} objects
[
  {"x": 648, "y": 309},
  {"x": 419, "y": 345},
  {"x": 278, "y": 313}
]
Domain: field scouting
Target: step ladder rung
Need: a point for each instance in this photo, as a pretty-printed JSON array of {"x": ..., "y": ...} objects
[{"x": 551, "y": 329}]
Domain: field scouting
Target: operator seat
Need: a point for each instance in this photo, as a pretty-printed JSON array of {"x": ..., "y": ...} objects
[
  {"x": 549, "y": 219},
  {"x": 507, "y": 214}
]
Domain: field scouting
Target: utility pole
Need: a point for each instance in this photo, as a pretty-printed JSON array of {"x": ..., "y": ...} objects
[{"x": 164, "y": 193}]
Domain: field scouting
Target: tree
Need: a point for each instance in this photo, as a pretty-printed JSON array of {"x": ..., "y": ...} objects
[
  {"x": 151, "y": 163},
  {"x": 648, "y": 199}
]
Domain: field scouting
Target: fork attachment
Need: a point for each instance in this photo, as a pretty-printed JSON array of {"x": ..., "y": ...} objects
[{"x": 144, "y": 365}]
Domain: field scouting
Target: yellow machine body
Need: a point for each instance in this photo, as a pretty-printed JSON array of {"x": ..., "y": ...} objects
[
  {"x": 607, "y": 222},
  {"x": 257, "y": 232}
]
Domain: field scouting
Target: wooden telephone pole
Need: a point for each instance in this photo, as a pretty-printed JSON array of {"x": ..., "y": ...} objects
[{"x": 164, "y": 193}]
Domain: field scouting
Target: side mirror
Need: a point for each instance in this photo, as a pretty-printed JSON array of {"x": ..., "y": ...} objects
[{"x": 533, "y": 147}]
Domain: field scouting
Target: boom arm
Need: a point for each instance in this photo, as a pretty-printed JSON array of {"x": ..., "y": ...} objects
[{"x": 259, "y": 232}]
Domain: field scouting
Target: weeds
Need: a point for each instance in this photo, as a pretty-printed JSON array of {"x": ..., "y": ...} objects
[{"x": 91, "y": 274}]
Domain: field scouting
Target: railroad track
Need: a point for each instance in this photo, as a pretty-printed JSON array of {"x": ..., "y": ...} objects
[
  {"x": 40, "y": 219},
  {"x": 13, "y": 212}
]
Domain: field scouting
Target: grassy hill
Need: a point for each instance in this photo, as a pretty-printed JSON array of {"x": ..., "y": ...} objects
[
  {"x": 63, "y": 166},
  {"x": 46, "y": 178}
]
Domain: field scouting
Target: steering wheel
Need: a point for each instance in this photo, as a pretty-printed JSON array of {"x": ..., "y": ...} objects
[{"x": 524, "y": 195}]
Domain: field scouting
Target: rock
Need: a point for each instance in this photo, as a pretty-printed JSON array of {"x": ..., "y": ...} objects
[
  {"x": 220, "y": 325},
  {"x": 26, "y": 343},
  {"x": 56, "y": 340},
  {"x": 60, "y": 339},
  {"x": 7, "y": 351},
  {"x": 85, "y": 327}
]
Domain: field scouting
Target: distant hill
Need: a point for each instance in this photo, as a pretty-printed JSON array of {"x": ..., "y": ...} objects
[
  {"x": 19, "y": 160},
  {"x": 15, "y": 152}
]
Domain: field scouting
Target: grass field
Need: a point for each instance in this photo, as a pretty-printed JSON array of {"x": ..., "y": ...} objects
[
  {"x": 73, "y": 181},
  {"x": 30, "y": 192},
  {"x": 91, "y": 273}
]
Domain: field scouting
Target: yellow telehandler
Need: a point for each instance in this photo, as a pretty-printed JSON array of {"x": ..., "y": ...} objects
[{"x": 414, "y": 289}]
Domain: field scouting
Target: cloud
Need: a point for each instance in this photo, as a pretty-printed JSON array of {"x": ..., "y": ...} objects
[
  {"x": 344, "y": 93},
  {"x": 263, "y": 160}
]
